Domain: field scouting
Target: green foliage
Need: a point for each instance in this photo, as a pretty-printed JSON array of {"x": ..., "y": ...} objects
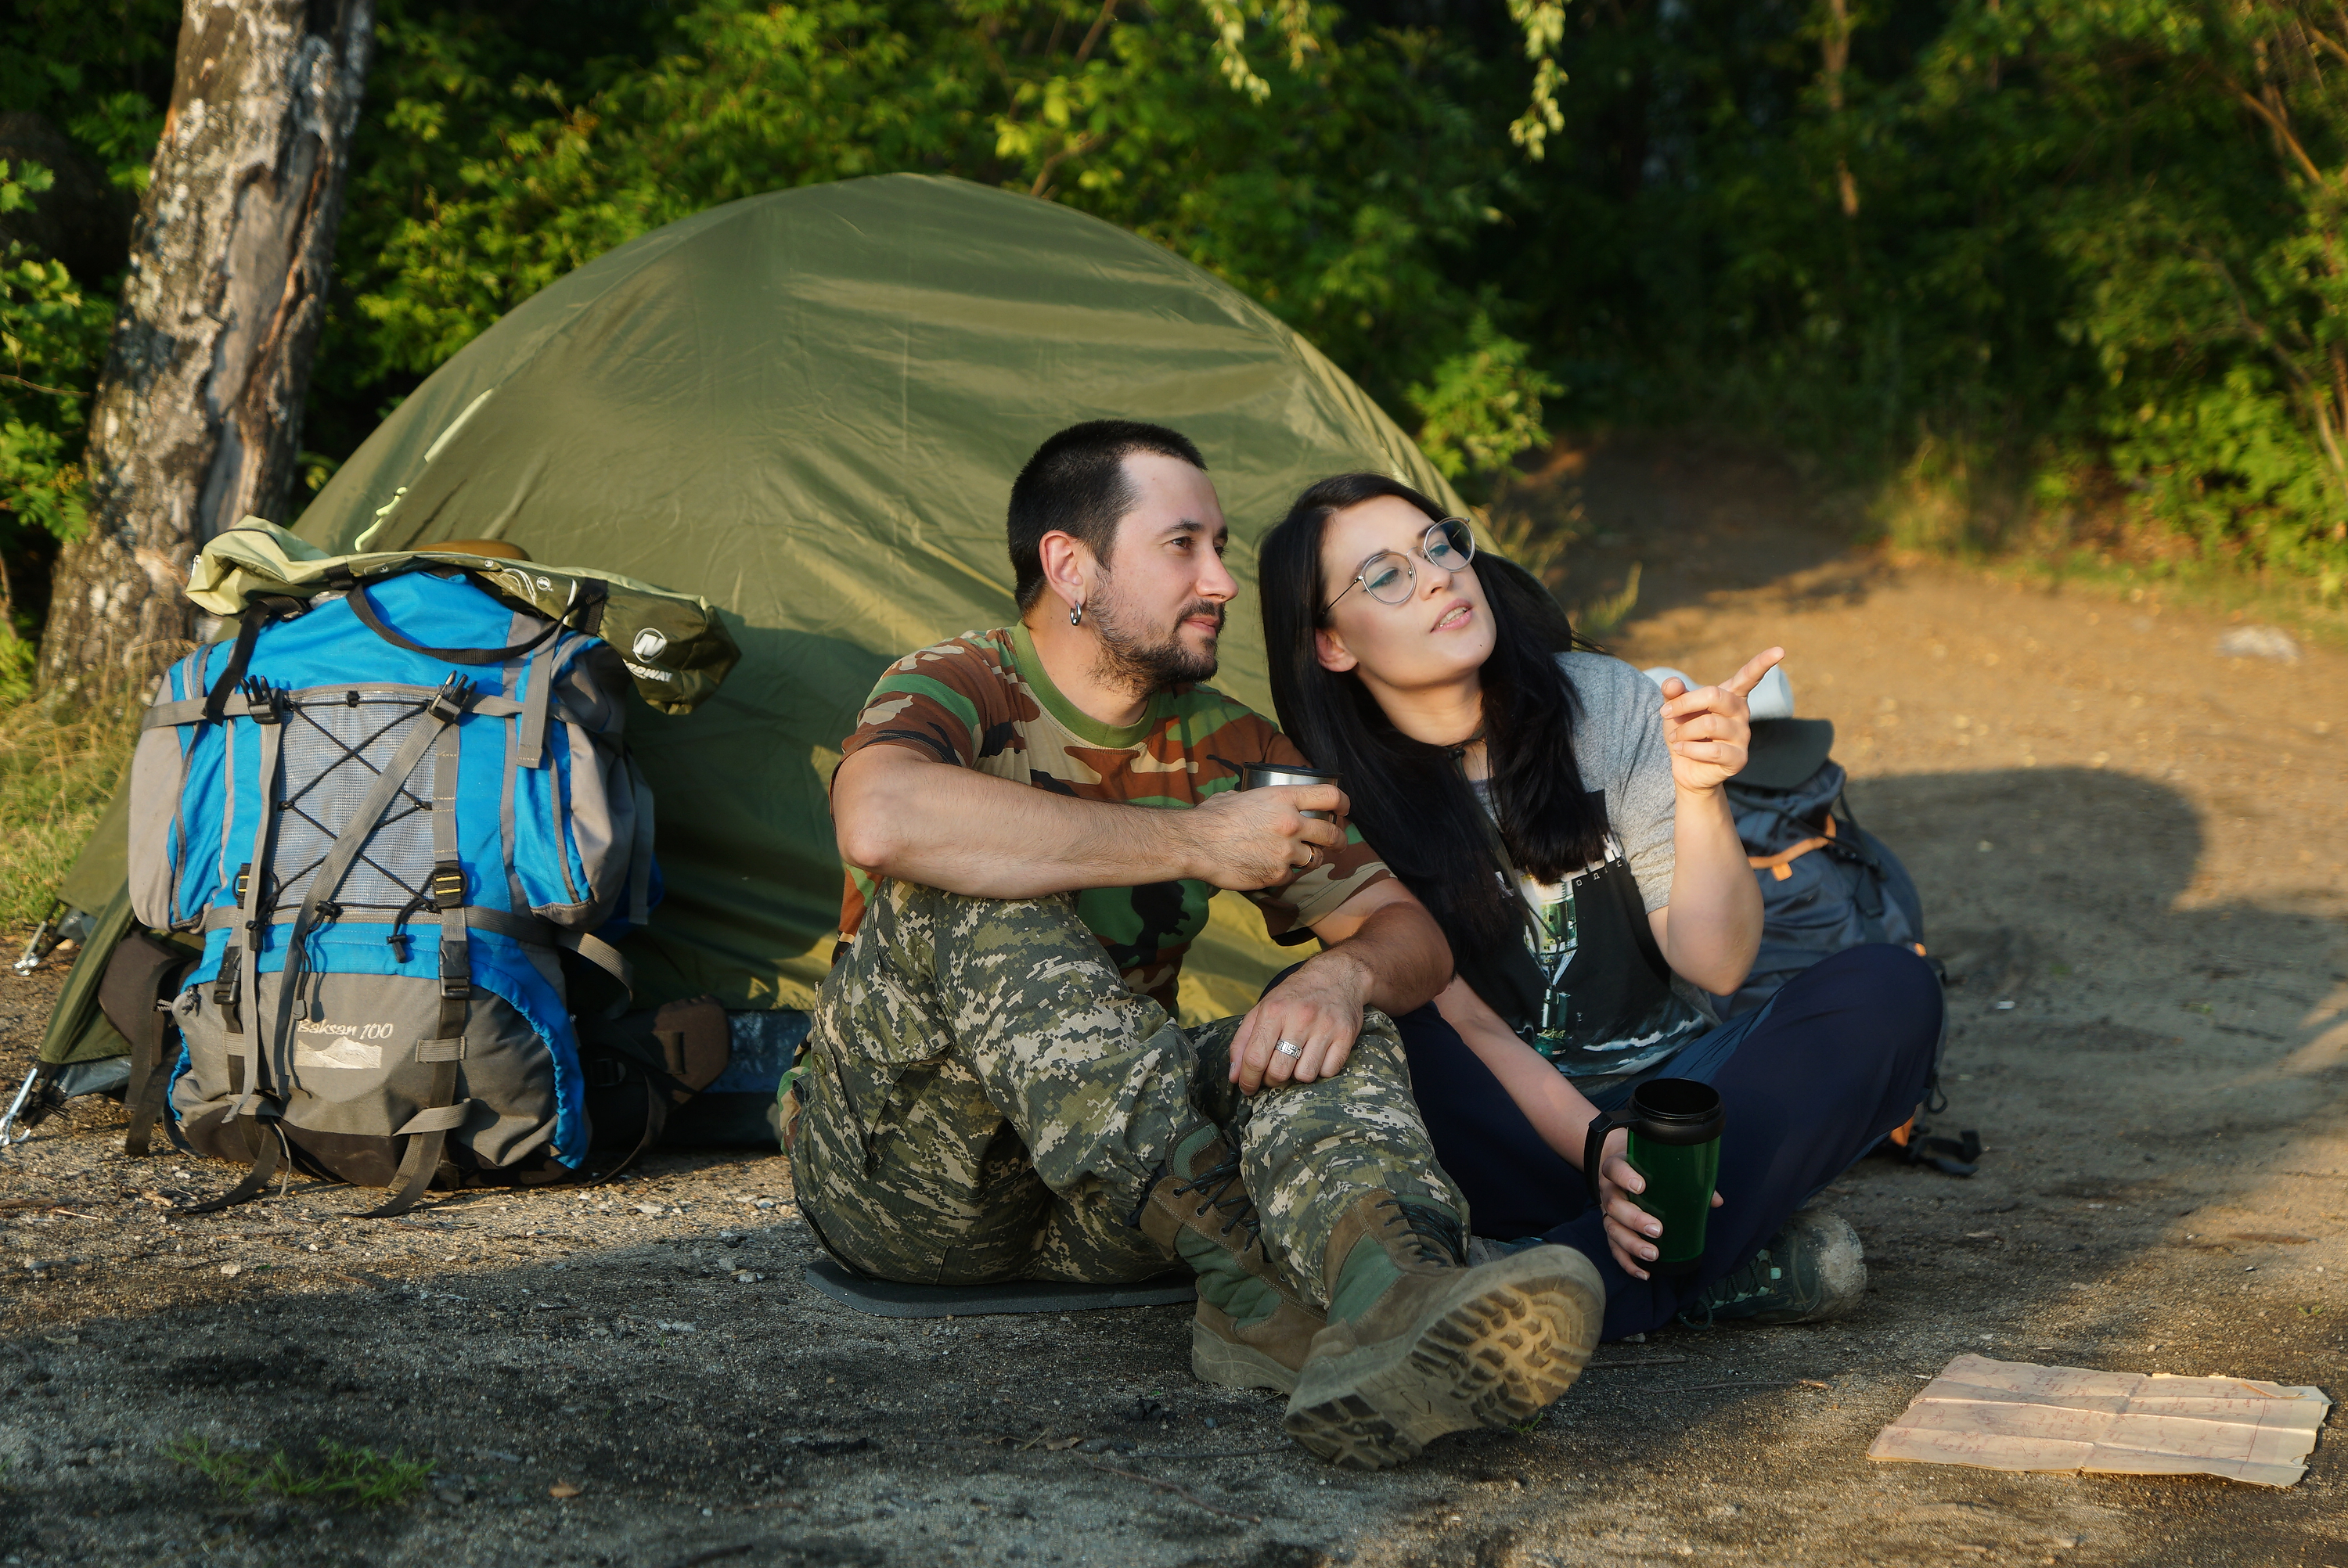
[
  {"x": 1482, "y": 408},
  {"x": 2052, "y": 276},
  {"x": 52, "y": 343},
  {"x": 2048, "y": 266},
  {"x": 1340, "y": 182},
  {"x": 354, "y": 1477},
  {"x": 99, "y": 72},
  {"x": 72, "y": 60}
]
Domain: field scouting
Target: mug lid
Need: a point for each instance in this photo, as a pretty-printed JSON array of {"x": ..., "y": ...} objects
[{"x": 1670, "y": 1100}]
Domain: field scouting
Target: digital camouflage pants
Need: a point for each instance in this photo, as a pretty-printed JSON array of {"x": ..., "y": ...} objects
[{"x": 984, "y": 1100}]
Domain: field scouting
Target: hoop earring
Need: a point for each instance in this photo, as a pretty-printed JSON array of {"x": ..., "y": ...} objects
[{"x": 1075, "y": 614}]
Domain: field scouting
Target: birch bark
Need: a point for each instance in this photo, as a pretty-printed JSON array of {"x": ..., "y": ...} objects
[{"x": 197, "y": 421}]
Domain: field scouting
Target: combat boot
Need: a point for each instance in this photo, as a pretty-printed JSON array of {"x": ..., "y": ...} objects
[
  {"x": 1420, "y": 1344},
  {"x": 1252, "y": 1337},
  {"x": 1251, "y": 1330}
]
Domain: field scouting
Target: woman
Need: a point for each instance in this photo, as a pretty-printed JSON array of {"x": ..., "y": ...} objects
[{"x": 1567, "y": 827}]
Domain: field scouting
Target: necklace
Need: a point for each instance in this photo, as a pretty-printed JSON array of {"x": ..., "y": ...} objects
[{"x": 1457, "y": 751}]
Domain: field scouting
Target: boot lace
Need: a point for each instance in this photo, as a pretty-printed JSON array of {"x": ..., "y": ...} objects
[
  {"x": 1224, "y": 1193},
  {"x": 1435, "y": 1231}
]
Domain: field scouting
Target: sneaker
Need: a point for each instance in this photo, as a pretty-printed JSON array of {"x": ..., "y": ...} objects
[
  {"x": 1484, "y": 1249},
  {"x": 1440, "y": 1346},
  {"x": 1811, "y": 1270}
]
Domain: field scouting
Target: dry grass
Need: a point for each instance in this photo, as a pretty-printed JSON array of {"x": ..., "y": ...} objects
[{"x": 58, "y": 771}]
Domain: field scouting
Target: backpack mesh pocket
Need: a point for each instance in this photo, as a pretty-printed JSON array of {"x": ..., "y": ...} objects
[{"x": 333, "y": 751}]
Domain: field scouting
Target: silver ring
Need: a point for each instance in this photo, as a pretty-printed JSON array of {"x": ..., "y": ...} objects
[{"x": 1289, "y": 1048}]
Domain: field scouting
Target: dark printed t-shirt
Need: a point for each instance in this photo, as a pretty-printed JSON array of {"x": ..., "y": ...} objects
[{"x": 983, "y": 700}]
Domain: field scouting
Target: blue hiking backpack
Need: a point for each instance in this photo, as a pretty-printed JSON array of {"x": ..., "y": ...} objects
[
  {"x": 1827, "y": 883},
  {"x": 388, "y": 810}
]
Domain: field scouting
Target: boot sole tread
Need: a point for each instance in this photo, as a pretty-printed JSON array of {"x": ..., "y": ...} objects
[{"x": 1500, "y": 1354}]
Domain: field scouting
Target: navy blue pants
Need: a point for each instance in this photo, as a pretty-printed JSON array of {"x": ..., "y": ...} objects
[{"x": 1811, "y": 1081}]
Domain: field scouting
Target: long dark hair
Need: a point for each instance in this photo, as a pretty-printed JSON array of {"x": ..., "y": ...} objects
[{"x": 1410, "y": 799}]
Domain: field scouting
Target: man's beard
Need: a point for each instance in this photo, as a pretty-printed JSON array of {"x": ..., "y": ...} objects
[{"x": 1142, "y": 665}]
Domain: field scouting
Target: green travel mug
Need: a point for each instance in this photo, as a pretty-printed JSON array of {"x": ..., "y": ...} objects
[{"x": 1675, "y": 1125}]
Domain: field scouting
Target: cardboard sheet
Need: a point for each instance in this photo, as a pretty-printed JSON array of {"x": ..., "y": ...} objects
[{"x": 2012, "y": 1415}]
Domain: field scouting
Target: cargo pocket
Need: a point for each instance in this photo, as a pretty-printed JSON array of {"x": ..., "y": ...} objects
[{"x": 877, "y": 1038}]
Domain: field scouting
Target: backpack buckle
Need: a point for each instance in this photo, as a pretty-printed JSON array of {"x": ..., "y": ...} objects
[
  {"x": 449, "y": 702},
  {"x": 455, "y": 973},
  {"x": 448, "y": 884},
  {"x": 261, "y": 702}
]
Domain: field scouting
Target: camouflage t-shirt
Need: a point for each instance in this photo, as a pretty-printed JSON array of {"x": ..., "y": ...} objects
[{"x": 983, "y": 700}]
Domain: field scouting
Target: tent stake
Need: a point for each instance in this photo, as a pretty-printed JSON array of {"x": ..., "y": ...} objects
[
  {"x": 18, "y": 1104},
  {"x": 35, "y": 953}
]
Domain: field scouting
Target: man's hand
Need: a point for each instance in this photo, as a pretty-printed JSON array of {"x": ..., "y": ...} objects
[
  {"x": 1318, "y": 1009},
  {"x": 1710, "y": 729},
  {"x": 1382, "y": 949},
  {"x": 1632, "y": 1232},
  {"x": 1246, "y": 839}
]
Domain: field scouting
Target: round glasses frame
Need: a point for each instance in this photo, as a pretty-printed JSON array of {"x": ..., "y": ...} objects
[{"x": 1446, "y": 546}]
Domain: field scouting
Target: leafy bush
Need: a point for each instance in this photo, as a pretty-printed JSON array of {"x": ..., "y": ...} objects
[
  {"x": 1481, "y": 408},
  {"x": 1337, "y": 173},
  {"x": 52, "y": 342}
]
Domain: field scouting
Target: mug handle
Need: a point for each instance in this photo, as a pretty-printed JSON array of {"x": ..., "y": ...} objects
[{"x": 1594, "y": 1145}]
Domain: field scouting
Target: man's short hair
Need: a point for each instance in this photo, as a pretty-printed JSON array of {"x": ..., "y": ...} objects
[{"x": 1075, "y": 485}]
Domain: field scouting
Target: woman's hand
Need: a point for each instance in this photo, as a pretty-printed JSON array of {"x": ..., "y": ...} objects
[
  {"x": 1710, "y": 729},
  {"x": 1632, "y": 1235}
]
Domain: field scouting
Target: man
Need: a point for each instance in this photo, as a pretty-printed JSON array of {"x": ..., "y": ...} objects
[{"x": 994, "y": 1087}]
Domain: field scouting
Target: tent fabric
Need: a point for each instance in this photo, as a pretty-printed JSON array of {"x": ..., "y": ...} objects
[
  {"x": 79, "y": 1030},
  {"x": 807, "y": 409}
]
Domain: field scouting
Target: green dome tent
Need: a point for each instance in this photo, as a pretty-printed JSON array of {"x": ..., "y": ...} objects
[{"x": 808, "y": 408}]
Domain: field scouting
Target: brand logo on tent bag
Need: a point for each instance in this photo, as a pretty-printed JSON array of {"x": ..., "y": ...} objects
[{"x": 650, "y": 643}]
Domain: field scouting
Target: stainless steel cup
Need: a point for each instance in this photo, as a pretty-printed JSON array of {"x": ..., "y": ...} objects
[{"x": 1257, "y": 775}]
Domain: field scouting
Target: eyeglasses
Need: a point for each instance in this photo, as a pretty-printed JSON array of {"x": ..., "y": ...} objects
[{"x": 1390, "y": 579}]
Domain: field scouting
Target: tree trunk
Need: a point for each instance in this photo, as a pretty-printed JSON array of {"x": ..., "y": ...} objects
[
  {"x": 197, "y": 421},
  {"x": 1835, "y": 48}
]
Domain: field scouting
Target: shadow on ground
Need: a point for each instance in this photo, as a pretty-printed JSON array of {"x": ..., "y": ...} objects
[{"x": 2167, "y": 1168}]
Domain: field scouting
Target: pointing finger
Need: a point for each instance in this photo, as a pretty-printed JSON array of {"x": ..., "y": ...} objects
[
  {"x": 1671, "y": 681},
  {"x": 1760, "y": 664},
  {"x": 1703, "y": 700}
]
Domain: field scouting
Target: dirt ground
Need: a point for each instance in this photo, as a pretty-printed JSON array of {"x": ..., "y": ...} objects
[{"x": 2132, "y": 852}]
